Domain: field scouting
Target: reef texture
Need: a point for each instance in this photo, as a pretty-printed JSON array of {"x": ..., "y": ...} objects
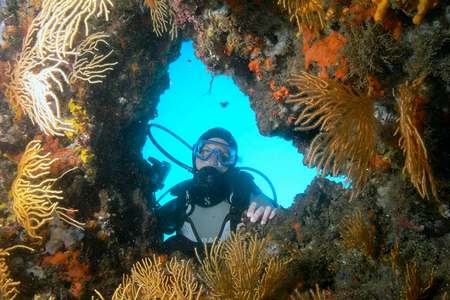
[{"x": 361, "y": 88}]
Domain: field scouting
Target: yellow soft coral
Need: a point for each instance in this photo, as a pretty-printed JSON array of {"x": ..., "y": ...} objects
[
  {"x": 410, "y": 124},
  {"x": 308, "y": 14},
  {"x": 8, "y": 287},
  {"x": 32, "y": 192},
  {"x": 416, "y": 287},
  {"x": 316, "y": 294},
  {"x": 162, "y": 17},
  {"x": 242, "y": 268},
  {"x": 346, "y": 142},
  {"x": 43, "y": 68},
  {"x": 89, "y": 65},
  {"x": 237, "y": 268},
  {"x": 154, "y": 278},
  {"x": 357, "y": 234}
]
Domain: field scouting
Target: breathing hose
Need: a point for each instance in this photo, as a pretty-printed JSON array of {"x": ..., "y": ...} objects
[
  {"x": 163, "y": 151},
  {"x": 190, "y": 169}
]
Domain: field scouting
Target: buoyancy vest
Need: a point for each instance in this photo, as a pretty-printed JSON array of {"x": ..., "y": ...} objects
[
  {"x": 201, "y": 223},
  {"x": 204, "y": 224}
]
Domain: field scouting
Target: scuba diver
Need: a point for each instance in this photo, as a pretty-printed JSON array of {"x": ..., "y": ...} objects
[{"x": 211, "y": 204}]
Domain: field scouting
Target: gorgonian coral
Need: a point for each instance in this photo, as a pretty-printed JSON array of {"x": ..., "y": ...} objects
[
  {"x": 237, "y": 268},
  {"x": 35, "y": 200},
  {"x": 241, "y": 268},
  {"x": 346, "y": 141},
  {"x": 8, "y": 287},
  {"x": 357, "y": 234},
  {"x": 307, "y": 14},
  {"x": 316, "y": 294},
  {"x": 163, "y": 18},
  {"x": 157, "y": 278},
  {"x": 410, "y": 124},
  {"x": 89, "y": 65},
  {"x": 415, "y": 286},
  {"x": 44, "y": 64}
]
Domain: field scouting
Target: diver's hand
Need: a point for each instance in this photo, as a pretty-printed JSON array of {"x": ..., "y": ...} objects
[{"x": 263, "y": 213}]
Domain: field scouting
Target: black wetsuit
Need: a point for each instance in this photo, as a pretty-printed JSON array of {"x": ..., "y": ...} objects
[{"x": 176, "y": 213}]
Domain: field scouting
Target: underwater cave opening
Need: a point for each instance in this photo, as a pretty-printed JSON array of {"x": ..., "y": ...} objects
[{"x": 195, "y": 102}]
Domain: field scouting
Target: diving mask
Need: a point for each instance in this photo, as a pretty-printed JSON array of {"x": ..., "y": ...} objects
[{"x": 225, "y": 155}]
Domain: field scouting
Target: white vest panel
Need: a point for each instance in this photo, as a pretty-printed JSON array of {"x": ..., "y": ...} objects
[{"x": 208, "y": 222}]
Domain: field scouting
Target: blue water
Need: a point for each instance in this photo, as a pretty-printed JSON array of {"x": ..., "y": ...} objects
[{"x": 188, "y": 109}]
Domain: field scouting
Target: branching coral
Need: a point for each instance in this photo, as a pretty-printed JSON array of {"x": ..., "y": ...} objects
[
  {"x": 128, "y": 289},
  {"x": 308, "y": 14},
  {"x": 356, "y": 234},
  {"x": 32, "y": 91},
  {"x": 415, "y": 287},
  {"x": 237, "y": 268},
  {"x": 410, "y": 124},
  {"x": 45, "y": 60},
  {"x": 58, "y": 24},
  {"x": 346, "y": 142},
  {"x": 47, "y": 297},
  {"x": 89, "y": 65},
  {"x": 316, "y": 294},
  {"x": 394, "y": 253},
  {"x": 8, "y": 287},
  {"x": 162, "y": 17},
  {"x": 33, "y": 195},
  {"x": 241, "y": 269},
  {"x": 153, "y": 278}
]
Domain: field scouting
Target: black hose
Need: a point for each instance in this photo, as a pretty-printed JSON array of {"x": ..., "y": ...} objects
[
  {"x": 163, "y": 151},
  {"x": 190, "y": 169}
]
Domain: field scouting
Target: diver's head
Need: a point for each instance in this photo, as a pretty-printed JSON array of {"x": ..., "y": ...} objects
[
  {"x": 213, "y": 158},
  {"x": 215, "y": 148}
]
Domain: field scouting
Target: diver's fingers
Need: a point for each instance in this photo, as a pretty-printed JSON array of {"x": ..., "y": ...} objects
[
  {"x": 257, "y": 215},
  {"x": 251, "y": 210},
  {"x": 273, "y": 213},
  {"x": 266, "y": 214}
]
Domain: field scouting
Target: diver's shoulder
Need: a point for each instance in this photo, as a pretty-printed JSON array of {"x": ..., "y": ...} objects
[{"x": 240, "y": 176}]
